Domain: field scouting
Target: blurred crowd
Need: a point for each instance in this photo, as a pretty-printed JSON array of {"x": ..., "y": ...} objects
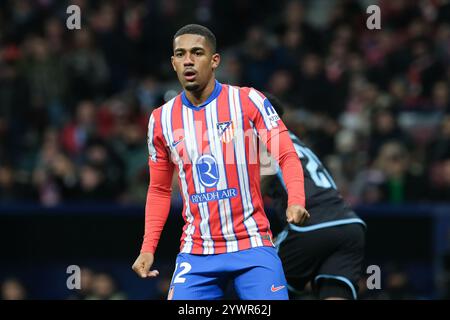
[
  {"x": 101, "y": 285},
  {"x": 373, "y": 104},
  {"x": 93, "y": 286}
]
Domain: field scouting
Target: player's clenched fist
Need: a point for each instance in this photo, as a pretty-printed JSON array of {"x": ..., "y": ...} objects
[
  {"x": 296, "y": 214},
  {"x": 143, "y": 264}
]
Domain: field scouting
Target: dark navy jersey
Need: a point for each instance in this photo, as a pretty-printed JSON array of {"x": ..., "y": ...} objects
[{"x": 323, "y": 201}]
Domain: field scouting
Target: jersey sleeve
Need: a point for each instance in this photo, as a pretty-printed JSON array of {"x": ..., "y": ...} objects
[
  {"x": 290, "y": 166},
  {"x": 160, "y": 187},
  {"x": 275, "y": 136},
  {"x": 157, "y": 148},
  {"x": 262, "y": 115}
]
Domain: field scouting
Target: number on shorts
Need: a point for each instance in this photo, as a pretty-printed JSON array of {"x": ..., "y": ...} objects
[{"x": 186, "y": 268}]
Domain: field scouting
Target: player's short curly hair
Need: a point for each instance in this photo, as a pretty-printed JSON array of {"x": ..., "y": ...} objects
[{"x": 199, "y": 30}]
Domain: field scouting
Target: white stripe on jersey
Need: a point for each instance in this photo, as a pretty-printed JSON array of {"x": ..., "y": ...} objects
[
  {"x": 192, "y": 149},
  {"x": 239, "y": 150},
  {"x": 259, "y": 102},
  {"x": 166, "y": 123},
  {"x": 215, "y": 144},
  {"x": 151, "y": 147}
]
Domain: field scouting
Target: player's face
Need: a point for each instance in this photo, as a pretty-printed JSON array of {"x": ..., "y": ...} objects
[{"x": 193, "y": 61}]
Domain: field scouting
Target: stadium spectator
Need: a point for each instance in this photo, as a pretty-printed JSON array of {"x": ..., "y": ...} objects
[
  {"x": 385, "y": 129},
  {"x": 86, "y": 68},
  {"x": 399, "y": 183},
  {"x": 257, "y": 58},
  {"x": 86, "y": 280},
  {"x": 439, "y": 147},
  {"x": 105, "y": 288},
  {"x": 397, "y": 285},
  {"x": 77, "y": 133},
  {"x": 440, "y": 191},
  {"x": 13, "y": 289}
]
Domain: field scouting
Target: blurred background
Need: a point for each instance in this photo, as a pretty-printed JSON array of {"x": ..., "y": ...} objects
[{"x": 74, "y": 107}]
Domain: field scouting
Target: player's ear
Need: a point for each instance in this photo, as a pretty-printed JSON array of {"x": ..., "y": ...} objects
[
  {"x": 172, "y": 59},
  {"x": 215, "y": 61}
]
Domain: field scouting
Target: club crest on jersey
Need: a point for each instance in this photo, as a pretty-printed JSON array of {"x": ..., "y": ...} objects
[{"x": 226, "y": 131}]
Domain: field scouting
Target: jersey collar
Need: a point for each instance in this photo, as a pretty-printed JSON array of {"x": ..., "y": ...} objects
[{"x": 214, "y": 95}]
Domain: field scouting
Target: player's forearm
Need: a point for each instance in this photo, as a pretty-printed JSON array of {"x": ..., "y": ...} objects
[
  {"x": 282, "y": 149},
  {"x": 157, "y": 207},
  {"x": 293, "y": 177}
]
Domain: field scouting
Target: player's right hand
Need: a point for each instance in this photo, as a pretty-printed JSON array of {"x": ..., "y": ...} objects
[{"x": 143, "y": 264}]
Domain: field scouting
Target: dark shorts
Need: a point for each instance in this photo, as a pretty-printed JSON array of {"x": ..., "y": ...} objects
[{"x": 330, "y": 258}]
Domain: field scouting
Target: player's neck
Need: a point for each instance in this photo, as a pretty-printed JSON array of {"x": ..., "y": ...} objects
[{"x": 198, "y": 97}]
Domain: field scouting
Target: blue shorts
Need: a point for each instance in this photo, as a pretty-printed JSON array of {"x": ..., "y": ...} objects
[{"x": 257, "y": 274}]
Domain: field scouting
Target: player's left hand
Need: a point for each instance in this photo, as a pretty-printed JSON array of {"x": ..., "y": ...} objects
[{"x": 296, "y": 214}]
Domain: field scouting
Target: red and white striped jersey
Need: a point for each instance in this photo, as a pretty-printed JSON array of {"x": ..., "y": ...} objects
[{"x": 214, "y": 149}]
